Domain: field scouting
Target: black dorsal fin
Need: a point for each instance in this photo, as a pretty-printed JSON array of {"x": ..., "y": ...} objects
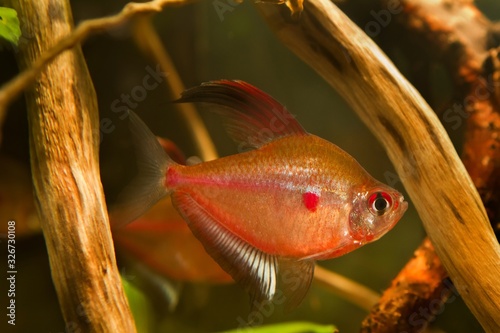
[{"x": 253, "y": 118}]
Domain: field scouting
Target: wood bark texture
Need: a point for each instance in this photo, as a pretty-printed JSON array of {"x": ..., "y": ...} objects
[
  {"x": 459, "y": 37},
  {"x": 414, "y": 297},
  {"x": 63, "y": 121},
  {"x": 430, "y": 169}
]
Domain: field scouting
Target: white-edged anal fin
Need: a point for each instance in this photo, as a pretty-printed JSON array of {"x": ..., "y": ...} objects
[{"x": 256, "y": 271}]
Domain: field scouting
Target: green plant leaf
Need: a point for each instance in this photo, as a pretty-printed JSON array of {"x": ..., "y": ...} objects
[
  {"x": 140, "y": 307},
  {"x": 10, "y": 30},
  {"x": 291, "y": 327}
]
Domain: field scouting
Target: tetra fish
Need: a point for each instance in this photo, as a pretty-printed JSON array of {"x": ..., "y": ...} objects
[{"x": 267, "y": 214}]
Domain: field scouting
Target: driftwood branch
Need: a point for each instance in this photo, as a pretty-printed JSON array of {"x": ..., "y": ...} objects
[
  {"x": 63, "y": 122},
  {"x": 422, "y": 153},
  {"x": 415, "y": 296},
  {"x": 462, "y": 39},
  {"x": 458, "y": 36}
]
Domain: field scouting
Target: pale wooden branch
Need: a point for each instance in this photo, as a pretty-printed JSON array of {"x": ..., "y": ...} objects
[
  {"x": 149, "y": 42},
  {"x": 415, "y": 141},
  {"x": 16, "y": 86},
  {"x": 462, "y": 39},
  {"x": 350, "y": 290},
  {"x": 63, "y": 122},
  {"x": 457, "y": 36}
]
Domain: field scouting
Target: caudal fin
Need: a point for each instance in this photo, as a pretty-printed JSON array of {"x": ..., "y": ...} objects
[{"x": 149, "y": 185}]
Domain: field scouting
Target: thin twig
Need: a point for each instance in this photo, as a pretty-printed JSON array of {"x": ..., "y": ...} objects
[
  {"x": 348, "y": 289},
  {"x": 149, "y": 42}
]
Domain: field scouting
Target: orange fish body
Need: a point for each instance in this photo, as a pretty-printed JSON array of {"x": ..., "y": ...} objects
[
  {"x": 291, "y": 197},
  {"x": 266, "y": 214}
]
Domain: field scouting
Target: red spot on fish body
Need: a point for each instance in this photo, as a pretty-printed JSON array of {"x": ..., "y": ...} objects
[{"x": 311, "y": 200}]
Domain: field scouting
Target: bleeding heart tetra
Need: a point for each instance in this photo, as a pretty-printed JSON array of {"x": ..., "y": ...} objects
[{"x": 265, "y": 215}]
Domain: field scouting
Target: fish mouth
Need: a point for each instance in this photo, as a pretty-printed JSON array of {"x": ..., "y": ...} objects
[
  {"x": 400, "y": 205},
  {"x": 403, "y": 204}
]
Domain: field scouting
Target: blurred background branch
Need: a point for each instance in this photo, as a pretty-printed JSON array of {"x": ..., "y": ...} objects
[
  {"x": 354, "y": 292},
  {"x": 12, "y": 89},
  {"x": 149, "y": 42}
]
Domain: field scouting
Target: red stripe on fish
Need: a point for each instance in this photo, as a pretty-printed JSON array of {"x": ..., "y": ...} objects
[{"x": 171, "y": 178}]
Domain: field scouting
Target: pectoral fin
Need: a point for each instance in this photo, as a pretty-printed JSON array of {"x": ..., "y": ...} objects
[
  {"x": 259, "y": 273},
  {"x": 295, "y": 279}
]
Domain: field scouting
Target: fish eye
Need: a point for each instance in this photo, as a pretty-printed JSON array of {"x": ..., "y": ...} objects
[{"x": 379, "y": 203}]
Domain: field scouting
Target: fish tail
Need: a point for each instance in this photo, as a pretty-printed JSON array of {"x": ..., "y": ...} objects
[{"x": 149, "y": 185}]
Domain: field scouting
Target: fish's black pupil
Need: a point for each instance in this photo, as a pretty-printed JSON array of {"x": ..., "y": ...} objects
[{"x": 380, "y": 203}]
